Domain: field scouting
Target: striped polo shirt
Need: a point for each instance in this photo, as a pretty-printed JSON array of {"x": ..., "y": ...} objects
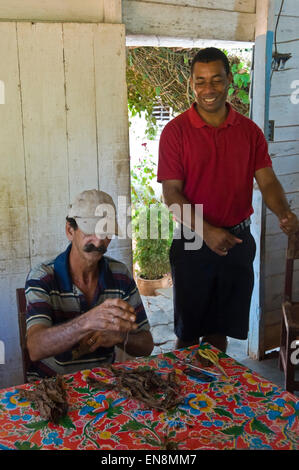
[{"x": 52, "y": 299}]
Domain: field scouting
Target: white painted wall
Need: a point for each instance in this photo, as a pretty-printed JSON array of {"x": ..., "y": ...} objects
[
  {"x": 63, "y": 128},
  {"x": 285, "y": 157}
]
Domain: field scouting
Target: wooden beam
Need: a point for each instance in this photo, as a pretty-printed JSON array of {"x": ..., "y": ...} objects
[
  {"x": 149, "y": 18},
  {"x": 245, "y": 6},
  {"x": 53, "y": 10},
  {"x": 260, "y": 114}
]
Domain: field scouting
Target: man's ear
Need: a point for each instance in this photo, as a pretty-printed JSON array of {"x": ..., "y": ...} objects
[{"x": 69, "y": 231}]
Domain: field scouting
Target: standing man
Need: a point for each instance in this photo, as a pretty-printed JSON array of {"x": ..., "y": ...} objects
[
  {"x": 210, "y": 155},
  {"x": 82, "y": 304}
]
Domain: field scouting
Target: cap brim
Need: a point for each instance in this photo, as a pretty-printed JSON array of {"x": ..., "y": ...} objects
[{"x": 98, "y": 226}]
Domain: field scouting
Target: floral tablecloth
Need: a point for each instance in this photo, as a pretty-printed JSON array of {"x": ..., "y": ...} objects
[{"x": 241, "y": 411}]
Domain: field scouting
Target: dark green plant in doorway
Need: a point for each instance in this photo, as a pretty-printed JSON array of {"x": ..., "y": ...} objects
[{"x": 152, "y": 223}]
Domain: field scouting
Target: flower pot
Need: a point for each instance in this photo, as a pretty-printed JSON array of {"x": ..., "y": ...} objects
[{"x": 149, "y": 286}]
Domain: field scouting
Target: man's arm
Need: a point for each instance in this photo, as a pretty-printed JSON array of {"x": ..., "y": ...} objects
[
  {"x": 139, "y": 343},
  {"x": 275, "y": 199},
  {"x": 114, "y": 315},
  {"x": 217, "y": 239}
]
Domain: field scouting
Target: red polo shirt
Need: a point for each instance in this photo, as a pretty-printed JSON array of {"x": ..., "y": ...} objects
[{"x": 217, "y": 164}]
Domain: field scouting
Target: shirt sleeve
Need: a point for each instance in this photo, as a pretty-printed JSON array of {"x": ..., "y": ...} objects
[
  {"x": 170, "y": 166},
  {"x": 39, "y": 310},
  {"x": 262, "y": 157},
  {"x": 132, "y": 296}
]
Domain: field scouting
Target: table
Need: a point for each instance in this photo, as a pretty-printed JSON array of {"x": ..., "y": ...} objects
[{"x": 243, "y": 411}]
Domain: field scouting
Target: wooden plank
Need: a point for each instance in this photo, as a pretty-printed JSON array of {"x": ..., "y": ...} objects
[
  {"x": 282, "y": 149},
  {"x": 275, "y": 288},
  {"x": 259, "y": 113},
  {"x": 112, "y": 123},
  {"x": 290, "y": 7},
  {"x": 286, "y": 165},
  {"x": 14, "y": 243},
  {"x": 13, "y": 198},
  {"x": 53, "y": 10},
  {"x": 290, "y": 183},
  {"x": 274, "y": 262},
  {"x": 276, "y": 242},
  {"x": 272, "y": 337},
  {"x": 286, "y": 133},
  {"x": 112, "y": 119},
  {"x": 283, "y": 80},
  {"x": 288, "y": 28},
  {"x": 112, "y": 11},
  {"x": 245, "y": 6},
  {"x": 272, "y": 224},
  {"x": 81, "y": 107},
  {"x": 44, "y": 118},
  {"x": 179, "y": 21},
  {"x": 283, "y": 112}
]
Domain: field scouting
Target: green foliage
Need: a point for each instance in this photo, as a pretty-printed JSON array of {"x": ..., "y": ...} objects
[
  {"x": 241, "y": 81},
  {"x": 152, "y": 223}
]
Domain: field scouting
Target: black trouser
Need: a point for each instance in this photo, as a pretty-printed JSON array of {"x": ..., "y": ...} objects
[{"x": 212, "y": 293}]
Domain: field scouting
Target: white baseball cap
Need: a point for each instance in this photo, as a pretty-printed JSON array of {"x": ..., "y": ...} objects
[{"x": 95, "y": 213}]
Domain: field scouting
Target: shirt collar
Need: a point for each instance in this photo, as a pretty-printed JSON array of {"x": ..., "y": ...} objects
[
  {"x": 197, "y": 121},
  {"x": 61, "y": 268}
]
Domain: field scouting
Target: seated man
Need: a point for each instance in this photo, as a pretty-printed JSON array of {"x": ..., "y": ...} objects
[{"x": 82, "y": 304}]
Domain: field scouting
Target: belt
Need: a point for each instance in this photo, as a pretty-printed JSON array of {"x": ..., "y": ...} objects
[{"x": 240, "y": 227}]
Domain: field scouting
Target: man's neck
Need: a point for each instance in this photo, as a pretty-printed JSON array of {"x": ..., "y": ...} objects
[
  {"x": 81, "y": 271},
  {"x": 213, "y": 119}
]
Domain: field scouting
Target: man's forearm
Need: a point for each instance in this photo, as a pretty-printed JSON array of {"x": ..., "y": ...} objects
[
  {"x": 138, "y": 344},
  {"x": 47, "y": 342},
  {"x": 176, "y": 201},
  {"x": 275, "y": 199}
]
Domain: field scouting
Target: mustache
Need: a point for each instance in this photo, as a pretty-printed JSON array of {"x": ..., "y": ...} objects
[{"x": 90, "y": 248}]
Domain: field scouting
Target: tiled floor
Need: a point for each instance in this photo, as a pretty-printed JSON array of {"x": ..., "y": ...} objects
[{"x": 160, "y": 313}]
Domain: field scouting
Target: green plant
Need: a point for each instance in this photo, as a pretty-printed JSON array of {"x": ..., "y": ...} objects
[
  {"x": 240, "y": 85},
  {"x": 153, "y": 230},
  {"x": 152, "y": 223}
]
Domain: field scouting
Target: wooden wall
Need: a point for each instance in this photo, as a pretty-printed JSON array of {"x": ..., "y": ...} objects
[
  {"x": 63, "y": 129},
  {"x": 285, "y": 157},
  {"x": 82, "y": 11},
  {"x": 202, "y": 19}
]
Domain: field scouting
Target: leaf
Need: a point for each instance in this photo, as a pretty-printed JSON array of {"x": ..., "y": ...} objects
[
  {"x": 257, "y": 394},
  {"x": 84, "y": 390},
  {"x": 234, "y": 431},
  {"x": 66, "y": 422},
  {"x": 114, "y": 411},
  {"x": 37, "y": 425},
  {"x": 158, "y": 90},
  {"x": 257, "y": 425},
  {"x": 244, "y": 97},
  {"x": 132, "y": 426},
  {"x": 222, "y": 412},
  {"x": 231, "y": 91},
  {"x": 27, "y": 445}
]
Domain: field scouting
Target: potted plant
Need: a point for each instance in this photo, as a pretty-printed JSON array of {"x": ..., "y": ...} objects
[{"x": 152, "y": 225}]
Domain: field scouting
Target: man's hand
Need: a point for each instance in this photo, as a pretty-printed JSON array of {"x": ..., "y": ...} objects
[
  {"x": 99, "y": 339},
  {"x": 289, "y": 223},
  {"x": 219, "y": 240},
  {"x": 112, "y": 315}
]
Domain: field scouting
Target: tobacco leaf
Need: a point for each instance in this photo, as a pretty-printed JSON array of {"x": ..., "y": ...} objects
[
  {"x": 49, "y": 396},
  {"x": 145, "y": 386}
]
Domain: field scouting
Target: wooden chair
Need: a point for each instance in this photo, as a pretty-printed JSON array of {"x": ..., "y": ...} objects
[
  {"x": 38, "y": 368},
  {"x": 290, "y": 318}
]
